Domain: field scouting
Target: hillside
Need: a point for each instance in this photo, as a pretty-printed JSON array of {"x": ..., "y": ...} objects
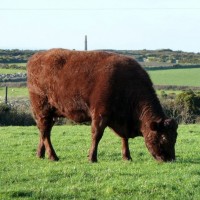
[
  {"x": 162, "y": 57},
  {"x": 146, "y": 57},
  {"x": 13, "y": 63}
]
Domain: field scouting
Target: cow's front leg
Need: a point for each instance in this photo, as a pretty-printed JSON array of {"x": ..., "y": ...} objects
[
  {"x": 125, "y": 149},
  {"x": 98, "y": 126}
]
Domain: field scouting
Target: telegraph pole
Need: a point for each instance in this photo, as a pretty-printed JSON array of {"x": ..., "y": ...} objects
[{"x": 85, "y": 42}]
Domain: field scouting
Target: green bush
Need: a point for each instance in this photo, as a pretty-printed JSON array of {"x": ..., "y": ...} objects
[
  {"x": 184, "y": 107},
  {"x": 189, "y": 103},
  {"x": 15, "y": 115},
  {"x": 4, "y": 107},
  {"x": 19, "y": 114}
]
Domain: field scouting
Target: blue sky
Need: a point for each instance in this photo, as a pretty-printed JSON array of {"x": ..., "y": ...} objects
[{"x": 109, "y": 24}]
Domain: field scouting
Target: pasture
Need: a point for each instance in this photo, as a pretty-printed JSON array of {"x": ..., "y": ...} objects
[
  {"x": 178, "y": 77},
  {"x": 23, "y": 176},
  {"x": 12, "y": 71},
  {"x": 14, "y": 92}
]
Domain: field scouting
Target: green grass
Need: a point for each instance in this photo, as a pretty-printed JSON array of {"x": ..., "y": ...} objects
[
  {"x": 14, "y": 92},
  {"x": 179, "y": 77},
  {"x": 12, "y": 71},
  {"x": 23, "y": 176}
]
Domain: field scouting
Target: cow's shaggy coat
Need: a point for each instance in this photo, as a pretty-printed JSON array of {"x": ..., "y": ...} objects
[{"x": 105, "y": 88}]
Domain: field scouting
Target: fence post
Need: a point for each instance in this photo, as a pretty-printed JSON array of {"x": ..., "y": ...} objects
[{"x": 6, "y": 96}]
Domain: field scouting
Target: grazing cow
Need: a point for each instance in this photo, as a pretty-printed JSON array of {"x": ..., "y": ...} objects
[{"x": 107, "y": 89}]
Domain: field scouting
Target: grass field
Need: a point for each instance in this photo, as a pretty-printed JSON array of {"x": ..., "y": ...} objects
[
  {"x": 179, "y": 77},
  {"x": 23, "y": 176},
  {"x": 14, "y": 92},
  {"x": 12, "y": 71}
]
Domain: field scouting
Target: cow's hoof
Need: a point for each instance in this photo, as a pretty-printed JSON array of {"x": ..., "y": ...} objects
[
  {"x": 92, "y": 160},
  {"x": 127, "y": 158},
  {"x": 54, "y": 158},
  {"x": 39, "y": 155}
]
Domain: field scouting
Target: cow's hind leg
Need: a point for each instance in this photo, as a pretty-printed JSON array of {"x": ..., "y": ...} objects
[
  {"x": 45, "y": 125},
  {"x": 98, "y": 126},
  {"x": 41, "y": 149},
  {"x": 44, "y": 114}
]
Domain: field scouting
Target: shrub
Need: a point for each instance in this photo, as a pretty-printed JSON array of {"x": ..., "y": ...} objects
[
  {"x": 16, "y": 116},
  {"x": 18, "y": 113},
  {"x": 4, "y": 107},
  {"x": 184, "y": 107},
  {"x": 189, "y": 103}
]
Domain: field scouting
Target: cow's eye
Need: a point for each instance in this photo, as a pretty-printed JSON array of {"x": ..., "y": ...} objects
[{"x": 163, "y": 138}]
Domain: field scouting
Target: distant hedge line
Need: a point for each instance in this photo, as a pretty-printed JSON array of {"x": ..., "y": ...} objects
[
  {"x": 12, "y": 66},
  {"x": 177, "y": 66},
  {"x": 175, "y": 88},
  {"x": 184, "y": 107}
]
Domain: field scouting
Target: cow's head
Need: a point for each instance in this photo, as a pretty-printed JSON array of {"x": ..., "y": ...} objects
[{"x": 161, "y": 140}]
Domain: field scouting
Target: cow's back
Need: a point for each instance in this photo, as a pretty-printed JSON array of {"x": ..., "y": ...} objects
[{"x": 76, "y": 83}]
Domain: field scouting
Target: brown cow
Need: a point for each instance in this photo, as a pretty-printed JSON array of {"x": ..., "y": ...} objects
[{"x": 108, "y": 89}]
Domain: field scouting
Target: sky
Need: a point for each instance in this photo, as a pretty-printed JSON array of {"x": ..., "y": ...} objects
[{"x": 108, "y": 24}]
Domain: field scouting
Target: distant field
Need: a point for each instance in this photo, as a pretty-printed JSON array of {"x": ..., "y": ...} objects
[
  {"x": 11, "y": 71},
  {"x": 179, "y": 77},
  {"x": 23, "y": 92},
  {"x": 14, "y": 92},
  {"x": 23, "y": 176}
]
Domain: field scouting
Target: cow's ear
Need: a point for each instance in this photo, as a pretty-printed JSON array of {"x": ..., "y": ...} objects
[
  {"x": 170, "y": 124},
  {"x": 154, "y": 126}
]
